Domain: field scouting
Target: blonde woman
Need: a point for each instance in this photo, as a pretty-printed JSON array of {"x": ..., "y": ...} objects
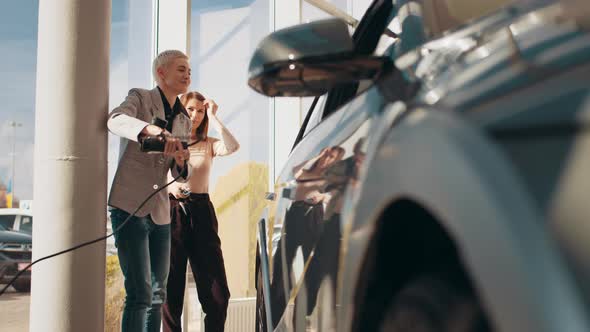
[{"x": 194, "y": 223}]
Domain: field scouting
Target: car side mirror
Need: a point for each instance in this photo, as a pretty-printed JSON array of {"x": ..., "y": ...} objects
[{"x": 310, "y": 59}]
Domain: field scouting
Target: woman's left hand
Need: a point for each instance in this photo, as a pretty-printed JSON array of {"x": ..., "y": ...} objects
[
  {"x": 181, "y": 156},
  {"x": 211, "y": 107}
]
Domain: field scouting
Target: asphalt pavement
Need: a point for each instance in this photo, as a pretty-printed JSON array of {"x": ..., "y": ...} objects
[{"x": 14, "y": 311}]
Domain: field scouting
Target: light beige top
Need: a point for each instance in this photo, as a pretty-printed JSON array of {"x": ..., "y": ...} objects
[{"x": 201, "y": 160}]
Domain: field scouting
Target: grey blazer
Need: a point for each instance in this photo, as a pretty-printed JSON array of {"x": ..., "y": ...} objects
[{"x": 138, "y": 173}]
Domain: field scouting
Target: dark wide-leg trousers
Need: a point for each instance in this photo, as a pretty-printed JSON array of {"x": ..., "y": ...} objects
[{"x": 194, "y": 238}]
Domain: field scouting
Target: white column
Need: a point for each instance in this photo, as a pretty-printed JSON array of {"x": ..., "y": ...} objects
[
  {"x": 70, "y": 171},
  {"x": 173, "y": 25}
]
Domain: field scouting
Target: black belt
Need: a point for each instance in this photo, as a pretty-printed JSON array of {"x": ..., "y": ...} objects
[
  {"x": 190, "y": 197},
  {"x": 198, "y": 196}
]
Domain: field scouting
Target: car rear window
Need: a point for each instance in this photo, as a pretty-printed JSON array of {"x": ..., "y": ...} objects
[
  {"x": 26, "y": 224},
  {"x": 7, "y": 220}
]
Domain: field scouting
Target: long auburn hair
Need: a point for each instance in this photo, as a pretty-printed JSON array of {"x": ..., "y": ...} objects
[{"x": 202, "y": 130}]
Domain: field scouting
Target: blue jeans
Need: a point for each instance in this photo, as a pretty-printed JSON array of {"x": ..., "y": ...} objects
[{"x": 144, "y": 255}]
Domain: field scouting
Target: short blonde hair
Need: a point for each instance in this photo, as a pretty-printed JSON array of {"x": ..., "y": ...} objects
[{"x": 164, "y": 58}]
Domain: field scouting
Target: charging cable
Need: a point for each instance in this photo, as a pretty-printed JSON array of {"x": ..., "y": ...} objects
[{"x": 89, "y": 242}]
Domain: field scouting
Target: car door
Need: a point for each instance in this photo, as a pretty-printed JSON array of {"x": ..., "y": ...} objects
[
  {"x": 310, "y": 189},
  {"x": 310, "y": 194}
]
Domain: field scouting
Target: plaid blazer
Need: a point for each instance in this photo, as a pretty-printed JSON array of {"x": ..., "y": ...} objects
[{"x": 139, "y": 173}]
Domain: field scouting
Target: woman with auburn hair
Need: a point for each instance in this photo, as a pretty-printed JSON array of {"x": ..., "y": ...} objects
[{"x": 194, "y": 223}]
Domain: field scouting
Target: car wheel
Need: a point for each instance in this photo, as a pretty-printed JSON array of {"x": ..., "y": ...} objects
[
  {"x": 431, "y": 304},
  {"x": 22, "y": 285}
]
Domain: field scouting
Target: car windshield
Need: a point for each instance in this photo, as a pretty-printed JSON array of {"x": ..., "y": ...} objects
[{"x": 7, "y": 221}]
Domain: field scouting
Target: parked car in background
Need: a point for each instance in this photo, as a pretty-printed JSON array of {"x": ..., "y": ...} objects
[
  {"x": 439, "y": 180},
  {"x": 15, "y": 255},
  {"x": 20, "y": 220}
]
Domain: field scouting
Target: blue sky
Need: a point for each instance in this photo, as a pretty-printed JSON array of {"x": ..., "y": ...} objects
[{"x": 18, "y": 47}]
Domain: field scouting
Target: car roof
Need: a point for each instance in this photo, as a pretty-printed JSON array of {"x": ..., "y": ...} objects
[{"x": 9, "y": 211}]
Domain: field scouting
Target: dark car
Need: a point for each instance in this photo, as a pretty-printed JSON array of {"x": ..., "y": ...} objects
[
  {"x": 15, "y": 255},
  {"x": 438, "y": 183},
  {"x": 19, "y": 220}
]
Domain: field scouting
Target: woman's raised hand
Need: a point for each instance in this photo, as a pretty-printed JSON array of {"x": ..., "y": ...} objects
[{"x": 211, "y": 107}]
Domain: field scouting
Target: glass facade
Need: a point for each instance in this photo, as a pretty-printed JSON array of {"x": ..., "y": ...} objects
[
  {"x": 131, "y": 56},
  {"x": 223, "y": 34},
  {"x": 18, "y": 59}
]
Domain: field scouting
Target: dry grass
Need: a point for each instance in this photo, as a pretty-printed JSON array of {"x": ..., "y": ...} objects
[{"x": 115, "y": 295}]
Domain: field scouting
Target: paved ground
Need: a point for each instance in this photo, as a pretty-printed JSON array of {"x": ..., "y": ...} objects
[{"x": 14, "y": 311}]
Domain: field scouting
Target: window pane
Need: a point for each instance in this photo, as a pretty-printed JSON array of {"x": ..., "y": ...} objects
[
  {"x": 224, "y": 34},
  {"x": 312, "y": 13},
  {"x": 26, "y": 224},
  {"x": 130, "y": 67},
  {"x": 18, "y": 61},
  {"x": 7, "y": 221}
]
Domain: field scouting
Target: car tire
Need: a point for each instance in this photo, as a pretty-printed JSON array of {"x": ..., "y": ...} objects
[
  {"x": 22, "y": 286},
  {"x": 431, "y": 304}
]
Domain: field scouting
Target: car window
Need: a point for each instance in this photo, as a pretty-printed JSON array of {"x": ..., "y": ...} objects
[
  {"x": 26, "y": 224},
  {"x": 316, "y": 114},
  {"x": 7, "y": 221}
]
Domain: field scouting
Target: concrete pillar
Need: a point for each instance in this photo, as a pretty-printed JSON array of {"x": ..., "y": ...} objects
[{"x": 70, "y": 172}]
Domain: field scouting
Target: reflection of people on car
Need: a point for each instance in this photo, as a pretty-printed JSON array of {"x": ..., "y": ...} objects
[
  {"x": 305, "y": 215},
  {"x": 337, "y": 178},
  {"x": 309, "y": 176}
]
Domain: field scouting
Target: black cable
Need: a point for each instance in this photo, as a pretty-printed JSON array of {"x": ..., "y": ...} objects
[{"x": 89, "y": 242}]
